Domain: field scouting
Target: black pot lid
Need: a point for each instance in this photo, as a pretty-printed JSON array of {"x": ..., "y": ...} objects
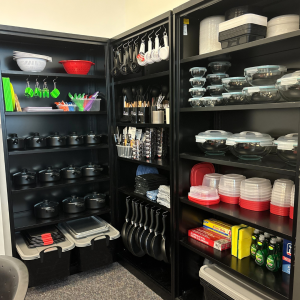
[
  {"x": 73, "y": 199},
  {"x": 92, "y": 133},
  {"x": 56, "y": 135},
  {"x": 74, "y": 133},
  {"x": 24, "y": 172},
  {"x": 49, "y": 170},
  {"x": 47, "y": 204},
  {"x": 35, "y": 135},
  {"x": 12, "y": 136},
  {"x": 71, "y": 167},
  {"x": 91, "y": 165},
  {"x": 95, "y": 196}
]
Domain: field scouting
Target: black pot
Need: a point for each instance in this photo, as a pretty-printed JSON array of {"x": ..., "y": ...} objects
[
  {"x": 15, "y": 143},
  {"x": 73, "y": 205},
  {"x": 49, "y": 175},
  {"x": 70, "y": 172},
  {"x": 36, "y": 141},
  {"x": 56, "y": 140},
  {"x": 74, "y": 139},
  {"x": 92, "y": 138},
  {"x": 24, "y": 178},
  {"x": 91, "y": 170},
  {"x": 95, "y": 200},
  {"x": 46, "y": 209}
]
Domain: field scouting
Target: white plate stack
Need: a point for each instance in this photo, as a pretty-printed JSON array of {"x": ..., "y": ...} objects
[
  {"x": 282, "y": 24},
  {"x": 30, "y": 62}
]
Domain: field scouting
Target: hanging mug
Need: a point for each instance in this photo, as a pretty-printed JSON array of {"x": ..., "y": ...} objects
[
  {"x": 155, "y": 53},
  {"x": 55, "y": 92},
  {"x": 45, "y": 90},
  {"x": 148, "y": 59},
  {"x": 28, "y": 91},
  {"x": 165, "y": 51},
  {"x": 141, "y": 56},
  {"x": 37, "y": 90}
]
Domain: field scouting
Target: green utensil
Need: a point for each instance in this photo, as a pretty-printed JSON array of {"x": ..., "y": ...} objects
[
  {"x": 55, "y": 92},
  {"x": 45, "y": 90},
  {"x": 7, "y": 94},
  {"x": 37, "y": 90},
  {"x": 28, "y": 90}
]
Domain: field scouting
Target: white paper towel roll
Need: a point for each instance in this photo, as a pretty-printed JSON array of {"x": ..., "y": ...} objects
[{"x": 209, "y": 34}]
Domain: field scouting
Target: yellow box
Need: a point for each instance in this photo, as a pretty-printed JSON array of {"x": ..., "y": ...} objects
[
  {"x": 218, "y": 227},
  {"x": 241, "y": 238}
]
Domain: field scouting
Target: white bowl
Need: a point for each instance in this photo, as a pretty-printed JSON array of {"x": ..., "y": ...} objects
[{"x": 27, "y": 64}]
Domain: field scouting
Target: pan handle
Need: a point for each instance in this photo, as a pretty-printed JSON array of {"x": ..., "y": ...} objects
[
  {"x": 165, "y": 219},
  {"x": 147, "y": 216},
  {"x": 142, "y": 214},
  {"x": 158, "y": 227},
  {"x": 93, "y": 240},
  {"x": 128, "y": 209},
  {"x": 133, "y": 210},
  {"x": 137, "y": 206},
  {"x": 42, "y": 253},
  {"x": 152, "y": 225}
]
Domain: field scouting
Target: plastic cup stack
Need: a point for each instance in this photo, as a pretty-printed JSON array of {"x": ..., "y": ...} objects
[
  {"x": 292, "y": 202},
  {"x": 229, "y": 188},
  {"x": 204, "y": 195},
  {"x": 212, "y": 180},
  {"x": 281, "y": 197},
  {"x": 256, "y": 194}
]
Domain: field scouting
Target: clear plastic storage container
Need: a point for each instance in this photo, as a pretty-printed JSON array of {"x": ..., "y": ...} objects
[
  {"x": 289, "y": 86},
  {"x": 232, "y": 84},
  {"x": 262, "y": 94},
  {"x": 216, "y": 79},
  {"x": 287, "y": 148}
]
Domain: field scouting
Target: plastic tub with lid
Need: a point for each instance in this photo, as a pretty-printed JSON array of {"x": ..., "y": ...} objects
[
  {"x": 197, "y": 91},
  {"x": 232, "y": 84},
  {"x": 204, "y": 195},
  {"x": 215, "y": 90},
  {"x": 289, "y": 86},
  {"x": 255, "y": 184},
  {"x": 216, "y": 79},
  {"x": 292, "y": 202},
  {"x": 213, "y": 142},
  {"x": 213, "y": 101},
  {"x": 45, "y": 263},
  {"x": 234, "y": 98},
  {"x": 281, "y": 195},
  {"x": 219, "y": 67},
  {"x": 197, "y": 81},
  {"x": 196, "y": 102},
  {"x": 264, "y": 75},
  {"x": 212, "y": 180},
  {"x": 96, "y": 250},
  {"x": 282, "y": 24},
  {"x": 198, "y": 71},
  {"x": 262, "y": 94},
  {"x": 250, "y": 145},
  {"x": 229, "y": 188},
  {"x": 287, "y": 148}
]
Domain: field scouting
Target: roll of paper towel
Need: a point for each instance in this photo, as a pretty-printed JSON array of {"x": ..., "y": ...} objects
[{"x": 209, "y": 34}]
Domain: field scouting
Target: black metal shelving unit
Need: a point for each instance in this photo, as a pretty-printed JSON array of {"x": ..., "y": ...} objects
[
  {"x": 158, "y": 275},
  {"x": 276, "y": 119},
  {"x": 59, "y": 46}
]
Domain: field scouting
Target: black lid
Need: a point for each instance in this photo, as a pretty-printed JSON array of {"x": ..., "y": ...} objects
[
  {"x": 91, "y": 132},
  {"x": 74, "y": 133},
  {"x": 36, "y": 134},
  {"x": 14, "y": 135}
]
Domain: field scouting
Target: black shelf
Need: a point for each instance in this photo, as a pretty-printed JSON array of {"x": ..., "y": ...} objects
[
  {"x": 130, "y": 192},
  {"x": 277, "y": 283},
  {"x": 145, "y": 125},
  {"x": 141, "y": 78},
  {"x": 15, "y": 113},
  {"x": 63, "y": 149},
  {"x": 49, "y": 74},
  {"x": 26, "y": 220},
  {"x": 160, "y": 163},
  {"x": 271, "y": 163},
  {"x": 58, "y": 184},
  {"x": 260, "y": 47},
  {"x": 264, "y": 220},
  {"x": 281, "y": 105}
]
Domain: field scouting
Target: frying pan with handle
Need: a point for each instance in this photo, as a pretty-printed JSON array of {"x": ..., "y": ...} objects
[
  {"x": 130, "y": 224},
  {"x": 139, "y": 231},
  {"x": 142, "y": 235},
  {"x": 124, "y": 68},
  {"x": 151, "y": 232},
  {"x": 165, "y": 241},
  {"x": 156, "y": 240},
  {"x": 127, "y": 220},
  {"x": 132, "y": 245},
  {"x": 133, "y": 65},
  {"x": 115, "y": 71}
]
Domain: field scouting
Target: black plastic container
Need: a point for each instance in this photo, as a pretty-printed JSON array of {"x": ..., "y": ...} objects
[
  {"x": 241, "y": 10},
  {"x": 212, "y": 293},
  {"x": 36, "y": 141},
  {"x": 46, "y": 209},
  {"x": 15, "y": 143}
]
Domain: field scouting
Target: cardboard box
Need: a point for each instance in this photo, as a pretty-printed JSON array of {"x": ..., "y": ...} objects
[
  {"x": 286, "y": 256},
  {"x": 218, "y": 227}
]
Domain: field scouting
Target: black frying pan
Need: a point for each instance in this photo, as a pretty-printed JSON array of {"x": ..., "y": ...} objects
[
  {"x": 124, "y": 68},
  {"x": 141, "y": 224},
  {"x": 133, "y": 65},
  {"x": 156, "y": 241},
  {"x": 165, "y": 241},
  {"x": 115, "y": 71},
  {"x": 151, "y": 232},
  {"x": 127, "y": 220},
  {"x": 130, "y": 224},
  {"x": 132, "y": 245},
  {"x": 145, "y": 230}
]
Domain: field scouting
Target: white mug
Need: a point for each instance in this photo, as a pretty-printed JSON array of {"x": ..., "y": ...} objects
[
  {"x": 141, "y": 56},
  {"x": 165, "y": 51},
  {"x": 155, "y": 53},
  {"x": 148, "y": 59}
]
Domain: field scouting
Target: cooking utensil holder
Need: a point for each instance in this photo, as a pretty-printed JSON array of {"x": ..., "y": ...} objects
[
  {"x": 133, "y": 113},
  {"x": 124, "y": 151},
  {"x": 158, "y": 117},
  {"x": 152, "y": 109},
  {"x": 143, "y": 115}
]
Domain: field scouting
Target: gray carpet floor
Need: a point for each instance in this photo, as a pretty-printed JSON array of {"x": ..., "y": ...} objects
[{"x": 108, "y": 283}]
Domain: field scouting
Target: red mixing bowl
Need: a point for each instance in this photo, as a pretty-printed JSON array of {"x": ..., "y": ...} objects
[{"x": 81, "y": 67}]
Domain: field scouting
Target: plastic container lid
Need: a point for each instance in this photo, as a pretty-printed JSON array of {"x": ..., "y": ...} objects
[
  {"x": 263, "y": 69},
  {"x": 287, "y": 142},
  {"x": 212, "y": 98},
  {"x": 250, "y": 137},
  {"x": 204, "y": 193},
  {"x": 255, "y": 89},
  {"x": 212, "y": 180},
  {"x": 218, "y": 75},
  {"x": 198, "y": 68},
  {"x": 34, "y": 253},
  {"x": 228, "y": 95},
  {"x": 212, "y": 135},
  {"x": 197, "y": 89},
  {"x": 283, "y": 20},
  {"x": 213, "y": 87},
  {"x": 195, "y": 99},
  {"x": 229, "y": 79},
  {"x": 197, "y": 78},
  {"x": 244, "y": 19},
  {"x": 288, "y": 79}
]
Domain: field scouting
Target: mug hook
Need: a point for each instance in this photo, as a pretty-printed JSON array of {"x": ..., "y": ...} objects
[
  {"x": 119, "y": 46},
  {"x": 157, "y": 31},
  {"x": 165, "y": 32},
  {"x": 136, "y": 39},
  {"x": 143, "y": 38},
  {"x": 150, "y": 34},
  {"x": 45, "y": 79}
]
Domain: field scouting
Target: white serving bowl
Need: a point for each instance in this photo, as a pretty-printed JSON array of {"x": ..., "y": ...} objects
[{"x": 30, "y": 64}]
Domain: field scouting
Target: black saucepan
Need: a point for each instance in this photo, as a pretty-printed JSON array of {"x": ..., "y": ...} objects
[
  {"x": 143, "y": 233},
  {"x": 46, "y": 209},
  {"x": 36, "y": 141},
  {"x": 71, "y": 172},
  {"x": 56, "y": 140},
  {"x": 95, "y": 200},
  {"x": 49, "y": 175},
  {"x": 132, "y": 244},
  {"x": 73, "y": 205},
  {"x": 91, "y": 170},
  {"x": 151, "y": 232},
  {"x": 92, "y": 138},
  {"x": 165, "y": 241},
  {"x": 15, "y": 143},
  {"x": 24, "y": 178},
  {"x": 128, "y": 218},
  {"x": 74, "y": 139},
  {"x": 156, "y": 241}
]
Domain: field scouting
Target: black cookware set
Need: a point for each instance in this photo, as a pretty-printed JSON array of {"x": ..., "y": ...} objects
[
  {"x": 36, "y": 141},
  {"x": 146, "y": 230},
  {"x": 72, "y": 205},
  {"x": 50, "y": 174}
]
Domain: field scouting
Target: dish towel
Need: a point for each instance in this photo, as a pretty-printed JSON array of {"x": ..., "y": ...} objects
[
  {"x": 163, "y": 196},
  {"x": 152, "y": 195}
]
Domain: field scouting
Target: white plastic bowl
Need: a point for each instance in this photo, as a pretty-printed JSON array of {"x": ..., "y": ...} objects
[{"x": 30, "y": 64}]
